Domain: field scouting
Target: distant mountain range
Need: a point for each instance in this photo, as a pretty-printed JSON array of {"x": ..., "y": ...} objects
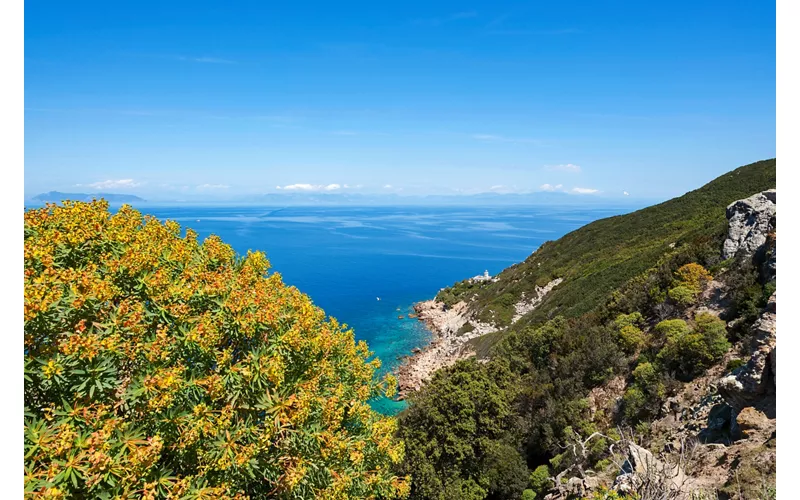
[
  {"x": 57, "y": 197},
  {"x": 539, "y": 198},
  {"x": 352, "y": 199}
]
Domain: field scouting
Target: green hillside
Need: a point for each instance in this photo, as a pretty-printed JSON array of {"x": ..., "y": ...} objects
[
  {"x": 599, "y": 257},
  {"x": 626, "y": 310}
]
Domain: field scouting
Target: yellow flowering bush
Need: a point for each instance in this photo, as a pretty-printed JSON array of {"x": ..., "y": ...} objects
[{"x": 158, "y": 366}]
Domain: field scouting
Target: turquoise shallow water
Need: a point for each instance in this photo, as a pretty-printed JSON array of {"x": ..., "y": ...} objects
[{"x": 345, "y": 258}]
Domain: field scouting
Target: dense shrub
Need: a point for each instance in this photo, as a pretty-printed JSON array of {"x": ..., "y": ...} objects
[
  {"x": 631, "y": 336},
  {"x": 670, "y": 329},
  {"x": 158, "y": 366},
  {"x": 461, "y": 435},
  {"x": 642, "y": 400},
  {"x": 682, "y": 295},
  {"x": 690, "y": 279},
  {"x": 539, "y": 481},
  {"x": 689, "y": 352},
  {"x": 693, "y": 276}
]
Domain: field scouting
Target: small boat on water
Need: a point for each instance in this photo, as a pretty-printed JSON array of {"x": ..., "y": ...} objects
[{"x": 378, "y": 298}]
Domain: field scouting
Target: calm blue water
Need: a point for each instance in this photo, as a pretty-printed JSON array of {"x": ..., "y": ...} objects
[{"x": 346, "y": 257}]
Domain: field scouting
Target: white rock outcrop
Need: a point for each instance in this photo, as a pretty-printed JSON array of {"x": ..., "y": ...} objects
[
  {"x": 527, "y": 305},
  {"x": 749, "y": 223},
  {"x": 751, "y": 383}
]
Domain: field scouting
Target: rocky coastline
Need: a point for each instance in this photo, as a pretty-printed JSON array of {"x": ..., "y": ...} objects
[
  {"x": 447, "y": 347},
  {"x": 452, "y": 329}
]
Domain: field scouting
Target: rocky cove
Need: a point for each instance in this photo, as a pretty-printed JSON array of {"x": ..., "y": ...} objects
[{"x": 452, "y": 328}]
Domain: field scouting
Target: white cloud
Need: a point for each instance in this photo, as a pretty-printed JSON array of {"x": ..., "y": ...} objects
[
  {"x": 579, "y": 190},
  {"x": 299, "y": 187},
  {"x": 550, "y": 187},
  {"x": 387, "y": 186},
  {"x": 310, "y": 187},
  {"x": 118, "y": 184},
  {"x": 565, "y": 167},
  {"x": 213, "y": 186},
  {"x": 625, "y": 193}
]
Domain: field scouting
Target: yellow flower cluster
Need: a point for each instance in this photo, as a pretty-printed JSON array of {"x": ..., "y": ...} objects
[{"x": 158, "y": 366}]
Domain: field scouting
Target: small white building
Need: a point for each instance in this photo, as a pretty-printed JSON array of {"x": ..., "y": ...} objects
[{"x": 484, "y": 277}]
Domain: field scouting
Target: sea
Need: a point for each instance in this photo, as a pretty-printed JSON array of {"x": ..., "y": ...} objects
[{"x": 367, "y": 266}]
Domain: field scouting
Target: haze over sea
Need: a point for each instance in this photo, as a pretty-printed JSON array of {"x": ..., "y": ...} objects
[{"x": 344, "y": 258}]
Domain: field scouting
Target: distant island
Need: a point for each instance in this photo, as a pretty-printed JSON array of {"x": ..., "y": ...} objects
[{"x": 57, "y": 197}]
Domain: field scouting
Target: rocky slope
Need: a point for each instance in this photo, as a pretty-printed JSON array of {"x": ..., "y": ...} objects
[{"x": 717, "y": 435}]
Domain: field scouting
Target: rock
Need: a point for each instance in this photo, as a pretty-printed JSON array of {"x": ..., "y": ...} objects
[
  {"x": 750, "y": 221},
  {"x": 642, "y": 464},
  {"x": 719, "y": 424},
  {"x": 524, "y": 306},
  {"x": 773, "y": 361},
  {"x": 770, "y": 268},
  {"x": 575, "y": 487},
  {"x": 719, "y": 418},
  {"x": 624, "y": 483},
  {"x": 592, "y": 482},
  {"x": 752, "y": 422},
  {"x": 751, "y": 383}
]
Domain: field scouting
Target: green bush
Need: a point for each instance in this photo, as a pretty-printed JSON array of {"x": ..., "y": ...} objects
[
  {"x": 504, "y": 471},
  {"x": 682, "y": 295},
  {"x": 634, "y": 402},
  {"x": 670, "y": 329},
  {"x": 528, "y": 495},
  {"x": 689, "y": 352},
  {"x": 631, "y": 336},
  {"x": 643, "y": 398},
  {"x": 539, "y": 481},
  {"x": 645, "y": 375}
]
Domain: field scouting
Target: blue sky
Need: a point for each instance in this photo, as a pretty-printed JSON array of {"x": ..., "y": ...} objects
[{"x": 219, "y": 100}]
